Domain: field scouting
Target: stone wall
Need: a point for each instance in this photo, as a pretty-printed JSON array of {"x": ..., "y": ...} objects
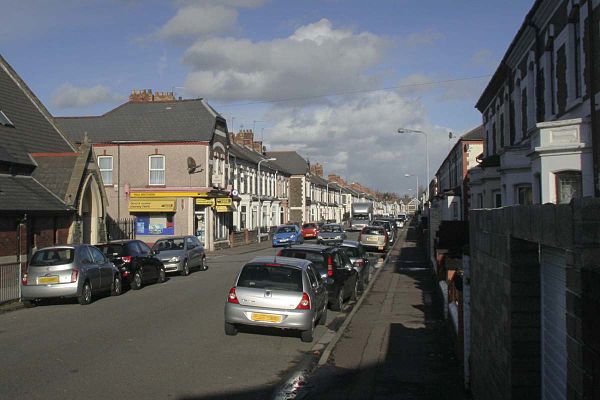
[{"x": 505, "y": 304}]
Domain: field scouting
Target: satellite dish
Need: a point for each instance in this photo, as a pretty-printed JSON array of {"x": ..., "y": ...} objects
[{"x": 192, "y": 167}]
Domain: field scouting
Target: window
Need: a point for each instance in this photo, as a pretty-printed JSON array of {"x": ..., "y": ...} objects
[
  {"x": 568, "y": 186},
  {"x": 105, "y": 163},
  {"x": 243, "y": 217},
  {"x": 5, "y": 121},
  {"x": 455, "y": 210},
  {"x": 97, "y": 256},
  {"x": 523, "y": 195},
  {"x": 157, "y": 170},
  {"x": 497, "y": 198}
]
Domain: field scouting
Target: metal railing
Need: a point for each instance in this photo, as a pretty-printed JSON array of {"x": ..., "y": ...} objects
[{"x": 10, "y": 282}]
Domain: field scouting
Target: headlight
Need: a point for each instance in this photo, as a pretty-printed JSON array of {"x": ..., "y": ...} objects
[
  {"x": 338, "y": 237},
  {"x": 320, "y": 237},
  {"x": 174, "y": 259},
  {"x": 293, "y": 237}
]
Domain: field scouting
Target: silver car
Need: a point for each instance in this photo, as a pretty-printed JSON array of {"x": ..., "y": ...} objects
[
  {"x": 331, "y": 234},
  {"x": 69, "y": 271},
  {"x": 180, "y": 254},
  {"x": 360, "y": 262},
  {"x": 280, "y": 292}
]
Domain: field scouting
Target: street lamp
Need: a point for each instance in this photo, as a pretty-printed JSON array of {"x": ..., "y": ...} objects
[
  {"x": 259, "y": 197},
  {"x": 405, "y": 130},
  {"x": 416, "y": 176}
]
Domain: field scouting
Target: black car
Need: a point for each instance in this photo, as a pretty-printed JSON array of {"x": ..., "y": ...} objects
[
  {"x": 136, "y": 262},
  {"x": 358, "y": 255},
  {"x": 335, "y": 267}
]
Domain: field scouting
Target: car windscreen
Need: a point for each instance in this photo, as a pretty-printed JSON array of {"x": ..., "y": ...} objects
[
  {"x": 317, "y": 259},
  {"x": 372, "y": 231},
  {"x": 352, "y": 251},
  {"x": 331, "y": 228},
  {"x": 361, "y": 217},
  {"x": 309, "y": 226},
  {"x": 52, "y": 257},
  {"x": 113, "y": 249},
  {"x": 286, "y": 229},
  {"x": 385, "y": 224},
  {"x": 275, "y": 277},
  {"x": 169, "y": 244}
]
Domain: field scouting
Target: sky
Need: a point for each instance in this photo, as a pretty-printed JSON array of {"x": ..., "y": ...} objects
[{"x": 331, "y": 79}]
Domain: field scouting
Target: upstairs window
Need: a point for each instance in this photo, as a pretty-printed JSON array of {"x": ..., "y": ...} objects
[
  {"x": 568, "y": 186},
  {"x": 523, "y": 195},
  {"x": 156, "y": 166},
  {"x": 105, "y": 163},
  {"x": 5, "y": 121}
]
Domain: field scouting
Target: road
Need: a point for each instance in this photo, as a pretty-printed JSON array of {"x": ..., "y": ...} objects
[{"x": 164, "y": 341}]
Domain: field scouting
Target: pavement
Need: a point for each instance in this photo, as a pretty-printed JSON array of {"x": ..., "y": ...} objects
[{"x": 397, "y": 344}]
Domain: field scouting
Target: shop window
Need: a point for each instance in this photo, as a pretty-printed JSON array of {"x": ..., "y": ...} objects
[
  {"x": 243, "y": 213},
  {"x": 568, "y": 186},
  {"x": 524, "y": 195},
  {"x": 155, "y": 224},
  {"x": 157, "y": 170},
  {"x": 105, "y": 163}
]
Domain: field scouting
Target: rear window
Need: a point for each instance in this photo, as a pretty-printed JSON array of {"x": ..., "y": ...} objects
[
  {"x": 286, "y": 229},
  {"x": 317, "y": 259},
  {"x": 52, "y": 257},
  {"x": 381, "y": 223},
  {"x": 359, "y": 217},
  {"x": 113, "y": 249},
  {"x": 331, "y": 228},
  {"x": 352, "y": 251},
  {"x": 372, "y": 231},
  {"x": 309, "y": 226},
  {"x": 169, "y": 244},
  {"x": 279, "y": 277}
]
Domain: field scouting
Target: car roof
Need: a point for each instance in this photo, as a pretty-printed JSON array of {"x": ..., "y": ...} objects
[
  {"x": 175, "y": 237},
  {"x": 287, "y": 225},
  {"x": 332, "y": 224},
  {"x": 121, "y": 241},
  {"x": 63, "y": 246},
  {"x": 289, "y": 261},
  {"x": 311, "y": 247},
  {"x": 373, "y": 227}
]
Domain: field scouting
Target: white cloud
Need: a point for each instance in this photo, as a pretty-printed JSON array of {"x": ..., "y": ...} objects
[
  {"x": 198, "y": 20},
  {"x": 70, "y": 96},
  {"x": 314, "y": 60},
  {"x": 358, "y": 138}
]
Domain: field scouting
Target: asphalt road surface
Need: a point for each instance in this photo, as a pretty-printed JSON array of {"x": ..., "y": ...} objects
[{"x": 165, "y": 341}]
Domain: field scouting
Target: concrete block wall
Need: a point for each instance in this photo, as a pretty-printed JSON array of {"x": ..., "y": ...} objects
[{"x": 505, "y": 297}]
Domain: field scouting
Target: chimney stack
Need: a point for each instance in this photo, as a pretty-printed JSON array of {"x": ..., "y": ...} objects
[{"x": 146, "y": 96}]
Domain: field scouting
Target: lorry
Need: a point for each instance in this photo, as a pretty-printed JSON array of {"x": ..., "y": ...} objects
[{"x": 362, "y": 214}]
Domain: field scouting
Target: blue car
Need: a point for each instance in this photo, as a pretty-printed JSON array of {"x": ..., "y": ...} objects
[{"x": 287, "y": 234}]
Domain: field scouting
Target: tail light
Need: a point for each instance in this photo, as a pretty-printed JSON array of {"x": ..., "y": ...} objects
[
  {"x": 74, "y": 275},
  {"x": 279, "y": 253},
  {"x": 359, "y": 263},
  {"x": 24, "y": 278},
  {"x": 126, "y": 259},
  {"x": 329, "y": 266},
  {"x": 304, "y": 303},
  {"x": 232, "y": 298}
]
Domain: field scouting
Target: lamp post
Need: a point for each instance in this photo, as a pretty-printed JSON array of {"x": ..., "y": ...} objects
[
  {"x": 416, "y": 176},
  {"x": 404, "y": 130},
  {"x": 259, "y": 195},
  {"x": 327, "y": 201}
]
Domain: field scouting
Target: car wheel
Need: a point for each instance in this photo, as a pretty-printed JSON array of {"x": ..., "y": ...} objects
[
  {"x": 185, "y": 271},
  {"x": 136, "y": 282},
  {"x": 30, "y": 303},
  {"x": 307, "y": 336},
  {"x": 323, "y": 317},
  {"x": 354, "y": 294},
  {"x": 230, "y": 329},
  {"x": 161, "y": 276},
  {"x": 339, "y": 301},
  {"x": 116, "y": 287},
  {"x": 85, "y": 297},
  {"x": 203, "y": 266}
]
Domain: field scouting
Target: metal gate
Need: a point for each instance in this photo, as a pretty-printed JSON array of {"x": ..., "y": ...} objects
[
  {"x": 10, "y": 282},
  {"x": 554, "y": 335}
]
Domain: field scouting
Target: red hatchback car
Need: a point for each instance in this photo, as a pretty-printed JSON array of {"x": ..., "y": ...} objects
[{"x": 310, "y": 230}]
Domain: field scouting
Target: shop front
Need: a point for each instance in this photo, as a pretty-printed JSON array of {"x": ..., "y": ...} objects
[{"x": 155, "y": 217}]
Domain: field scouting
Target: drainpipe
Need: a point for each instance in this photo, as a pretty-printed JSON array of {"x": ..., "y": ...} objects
[
  {"x": 119, "y": 182},
  {"x": 590, "y": 64}
]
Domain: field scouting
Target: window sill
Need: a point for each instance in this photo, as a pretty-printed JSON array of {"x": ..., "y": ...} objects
[{"x": 156, "y": 186}]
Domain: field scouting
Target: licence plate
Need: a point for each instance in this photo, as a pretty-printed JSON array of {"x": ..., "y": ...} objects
[
  {"x": 381, "y": 247},
  {"x": 48, "y": 279},
  {"x": 266, "y": 317},
  {"x": 371, "y": 239}
]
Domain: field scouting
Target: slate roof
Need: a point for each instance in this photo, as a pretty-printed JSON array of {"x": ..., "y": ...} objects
[
  {"x": 474, "y": 134},
  {"x": 34, "y": 130},
  {"x": 251, "y": 156},
  {"x": 317, "y": 180},
  {"x": 164, "y": 121},
  {"x": 55, "y": 173},
  {"x": 25, "y": 193},
  {"x": 290, "y": 161}
]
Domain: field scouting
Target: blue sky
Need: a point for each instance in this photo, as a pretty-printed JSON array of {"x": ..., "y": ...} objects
[{"x": 84, "y": 57}]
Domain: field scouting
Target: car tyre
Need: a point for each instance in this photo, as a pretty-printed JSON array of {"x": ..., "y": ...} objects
[
  {"x": 85, "y": 297},
  {"x": 354, "y": 294},
  {"x": 117, "y": 286},
  {"x": 185, "y": 271},
  {"x": 203, "y": 266},
  {"x": 339, "y": 301},
  {"x": 308, "y": 336},
  {"x": 136, "y": 282},
  {"x": 30, "y": 303},
  {"x": 162, "y": 276},
  {"x": 230, "y": 329},
  {"x": 323, "y": 317}
]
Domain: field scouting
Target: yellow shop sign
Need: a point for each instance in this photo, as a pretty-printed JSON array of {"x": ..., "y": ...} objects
[
  {"x": 152, "y": 205},
  {"x": 167, "y": 194},
  {"x": 223, "y": 201},
  {"x": 222, "y": 209},
  {"x": 205, "y": 202}
]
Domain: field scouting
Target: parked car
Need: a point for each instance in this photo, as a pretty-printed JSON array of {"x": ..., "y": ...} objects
[
  {"x": 287, "y": 234},
  {"x": 400, "y": 222},
  {"x": 374, "y": 238},
  {"x": 331, "y": 234},
  {"x": 279, "y": 292},
  {"x": 358, "y": 256},
  {"x": 310, "y": 230},
  {"x": 69, "y": 271},
  {"x": 335, "y": 268},
  {"x": 136, "y": 262},
  {"x": 180, "y": 254},
  {"x": 391, "y": 230}
]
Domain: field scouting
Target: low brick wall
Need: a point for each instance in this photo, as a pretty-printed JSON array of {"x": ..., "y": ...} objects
[{"x": 505, "y": 300}]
